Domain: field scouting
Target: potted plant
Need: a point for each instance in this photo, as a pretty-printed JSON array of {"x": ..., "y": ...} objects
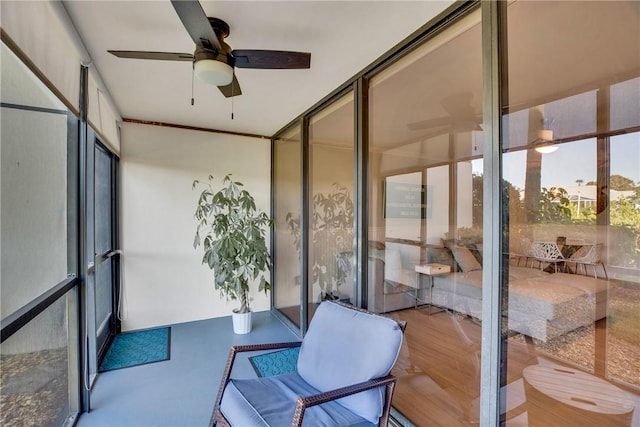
[{"x": 232, "y": 231}]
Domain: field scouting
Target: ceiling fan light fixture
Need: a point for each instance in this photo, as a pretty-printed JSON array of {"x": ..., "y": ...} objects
[
  {"x": 546, "y": 149},
  {"x": 545, "y": 142},
  {"x": 214, "y": 72}
]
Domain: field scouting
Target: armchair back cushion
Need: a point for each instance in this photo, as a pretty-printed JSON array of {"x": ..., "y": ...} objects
[{"x": 344, "y": 346}]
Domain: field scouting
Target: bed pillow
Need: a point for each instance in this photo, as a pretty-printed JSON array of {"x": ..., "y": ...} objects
[
  {"x": 477, "y": 252},
  {"x": 465, "y": 258},
  {"x": 440, "y": 256}
]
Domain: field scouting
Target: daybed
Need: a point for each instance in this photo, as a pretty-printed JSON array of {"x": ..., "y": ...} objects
[{"x": 541, "y": 305}]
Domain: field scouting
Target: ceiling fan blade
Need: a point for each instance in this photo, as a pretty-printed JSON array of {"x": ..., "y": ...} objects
[
  {"x": 232, "y": 89},
  {"x": 271, "y": 59},
  {"x": 430, "y": 123},
  {"x": 162, "y": 56},
  {"x": 196, "y": 23}
]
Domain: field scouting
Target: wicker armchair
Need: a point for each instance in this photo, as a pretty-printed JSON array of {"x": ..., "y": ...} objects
[{"x": 343, "y": 375}]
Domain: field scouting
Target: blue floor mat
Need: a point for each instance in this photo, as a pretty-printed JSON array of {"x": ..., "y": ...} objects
[
  {"x": 276, "y": 363},
  {"x": 137, "y": 348}
]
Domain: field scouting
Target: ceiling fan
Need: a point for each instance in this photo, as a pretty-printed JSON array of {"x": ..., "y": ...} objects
[
  {"x": 214, "y": 60},
  {"x": 461, "y": 115}
]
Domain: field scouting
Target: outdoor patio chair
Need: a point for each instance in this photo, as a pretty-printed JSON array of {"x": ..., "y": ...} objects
[
  {"x": 520, "y": 250},
  {"x": 342, "y": 378},
  {"x": 547, "y": 253},
  {"x": 588, "y": 255}
]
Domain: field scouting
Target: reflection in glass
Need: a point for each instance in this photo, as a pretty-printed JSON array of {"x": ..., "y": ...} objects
[
  {"x": 572, "y": 286},
  {"x": 623, "y": 336},
  {"x": 287, "y": 193},
  {"x": 331, "y": 211},
  {"x": 425, "y": 208}
]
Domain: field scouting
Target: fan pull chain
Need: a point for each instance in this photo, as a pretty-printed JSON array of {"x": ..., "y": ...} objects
[
  {"x": 233, "y": 87},
  {"x": 192, "y": 74}
]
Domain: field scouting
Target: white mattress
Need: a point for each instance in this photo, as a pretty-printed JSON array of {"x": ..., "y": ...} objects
[
  {"x": 469, "y": 284},
  {"x": 541, "y": 305},
  {"x": 545, "y": 295}
]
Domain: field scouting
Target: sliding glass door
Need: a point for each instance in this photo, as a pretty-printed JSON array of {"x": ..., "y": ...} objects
[
  {"x": 321, "y": 233},
  {"x": 330, "y": 206},
  {"x": 287, "y": 176},
  {"x": 509, "y": 245},
  {"x": 571, "y": 148},
  {"x": 425, "y": 221},
  {"x": 103, "y": 276},
  {"x": 105, "y": 264}
]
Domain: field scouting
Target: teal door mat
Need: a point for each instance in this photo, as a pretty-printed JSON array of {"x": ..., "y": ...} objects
[
  {"x": 276, "y": 363},
  {"x": 137, "y": 348}
]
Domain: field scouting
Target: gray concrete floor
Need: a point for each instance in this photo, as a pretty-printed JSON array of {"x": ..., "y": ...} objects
[{"x": 180, "y": 391}]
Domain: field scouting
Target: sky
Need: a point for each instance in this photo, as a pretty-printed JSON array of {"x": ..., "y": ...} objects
[{"x": 573, "y": 161}]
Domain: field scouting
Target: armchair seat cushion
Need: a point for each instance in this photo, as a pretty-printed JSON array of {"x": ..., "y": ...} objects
[{"x": 270, "y": 401}]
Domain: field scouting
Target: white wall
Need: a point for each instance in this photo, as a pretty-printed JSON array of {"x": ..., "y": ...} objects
[{"x": 163, "y": 278}]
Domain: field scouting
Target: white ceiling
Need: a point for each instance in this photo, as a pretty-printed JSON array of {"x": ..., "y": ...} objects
[{"x": 342, "y": 36}]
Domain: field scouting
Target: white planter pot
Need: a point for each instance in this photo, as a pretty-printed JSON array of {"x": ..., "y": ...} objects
[{"x": 241, "y": 322}]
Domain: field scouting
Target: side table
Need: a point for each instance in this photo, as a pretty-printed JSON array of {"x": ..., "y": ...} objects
[
  {"x": 564, "y": 396},
  {"x": 429, "y": 270}
]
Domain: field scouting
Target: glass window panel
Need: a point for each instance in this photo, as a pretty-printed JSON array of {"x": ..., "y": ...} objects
[
  {"x": 73, "y": 192},
  {"x": 624, "y": 204},
  {"x": 424, "y": 135},
  {"x": 572, "y": 288},
  {"x": 287, "y": 195},
  {"x": 437, "y": 204},
  {"x": 625, "y": 104},
  {"x": 103, "y": 240},
  {"x": 331, "y": 210},
  {"x": 623, "y": 336},
  {"x": 103, "y": 300},
  {"x": 33, "y": 253},
  {"x": 37, "y": 383}
]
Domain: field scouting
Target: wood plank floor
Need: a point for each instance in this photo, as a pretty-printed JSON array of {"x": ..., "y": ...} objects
[
  {"x": 439, "y": 372},
  {"x": 438, "y": 369}
]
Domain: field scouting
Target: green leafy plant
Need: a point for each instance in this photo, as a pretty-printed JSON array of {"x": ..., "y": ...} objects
[
  {"x": 232, "y": 231},
  {"x": 554, "y": 206}
]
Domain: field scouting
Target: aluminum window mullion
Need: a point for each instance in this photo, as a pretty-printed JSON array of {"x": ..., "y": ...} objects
[
  {"x": 304, "y": 225},
  {"x": 272, "y": 229},
  {"x": 16, "y": 320},
  {"x": 492, "y": 276},
  {"x": 83, "y": 268},
  {"x": 361, "y": 180}
]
